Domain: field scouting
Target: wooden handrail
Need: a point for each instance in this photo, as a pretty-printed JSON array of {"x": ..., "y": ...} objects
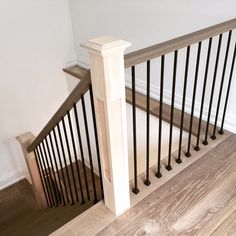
[
  {"x": 76, "y": 71},
  {"x": 160, "y": 49},
  {"x": 73, "y": 98}
]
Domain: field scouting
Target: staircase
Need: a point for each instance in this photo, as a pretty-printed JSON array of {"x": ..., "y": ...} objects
[
  {"x": 85, "y": 153},
  {"x": 21, "y": 216}
]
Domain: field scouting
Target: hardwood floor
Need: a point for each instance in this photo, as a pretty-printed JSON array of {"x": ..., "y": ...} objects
[
  {"x": 200, "y": 200},
  {"x": 228, "y": 227},
  {"x": 19, "y": 215}
]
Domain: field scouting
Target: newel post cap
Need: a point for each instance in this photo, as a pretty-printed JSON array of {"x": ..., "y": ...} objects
[{"x": 105, "y": 44}]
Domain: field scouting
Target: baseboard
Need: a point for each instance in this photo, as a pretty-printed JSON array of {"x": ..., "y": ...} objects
[
  {"x": 83, "y": 62},
  {"x": 11, "y": 178},
  {"x": 70, "y": 63},
  {"x": 230, "y": 120}
]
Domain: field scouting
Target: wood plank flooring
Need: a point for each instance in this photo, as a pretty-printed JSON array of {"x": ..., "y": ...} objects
[
  {"x": 200, "y": 200},
  {"x": 228, "y": 227},
  {"x": 19, "y": 215}
]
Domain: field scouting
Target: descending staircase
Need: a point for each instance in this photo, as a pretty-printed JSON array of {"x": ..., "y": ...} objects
[
  {"x": 20, "y": 215},
  {"x": 89, "y": 180}
]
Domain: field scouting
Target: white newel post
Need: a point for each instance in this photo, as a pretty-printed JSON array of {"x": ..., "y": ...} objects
[{"x": 106, "y": 56}]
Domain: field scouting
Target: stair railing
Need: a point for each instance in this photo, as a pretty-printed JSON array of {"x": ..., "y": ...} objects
[
  {"x": 167, "y": 111},
  {"x": 106, "y": 89},
  {"x": 61, "y": 172}
]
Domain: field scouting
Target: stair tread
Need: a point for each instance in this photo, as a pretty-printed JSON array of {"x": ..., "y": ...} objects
[{"x": 20, "y": 216}]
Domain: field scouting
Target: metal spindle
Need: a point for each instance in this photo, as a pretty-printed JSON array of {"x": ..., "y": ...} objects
[
  {"x": 135, "y": 189},
  {"x": 50, "y": 174},
  {"x": 70, "y": 158},
  {"x": 64, "y": 158},
  {"x": 81, "y": 150},
  {"x": 40, "y": 168},
  {"x": 76, "y": 159},
  {"x": 147, "y": 181},
  {"x": 47, "y": 173},
  {"x": 221, "y": 131},
  {"x": 96, "y": 138},
  {"x": 56, "y": 166},
  {"x": 89, "y": 148},
  {"x": 183, "y": 104},
  {"x": 54, "y": 183},
  {"x": 205, "y": 142},
  {"x": 158, "y": 174},
  {"x": 222, "y": 84},
  {"x": 61, "y": 166},
  {"x": 197, "y": 148},
  {"x": 169, "y": 167},
  {"x": 188, "y": 153}
]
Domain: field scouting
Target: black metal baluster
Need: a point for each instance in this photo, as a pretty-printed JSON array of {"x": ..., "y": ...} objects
[
  {"x": 76, "y": 159},
  {"x": 135, "y": 189},
  {"x": 147, "y": 181},
  {"x": 197, "y": 148},
  {"x": 57, "y": 197},
  {"x": 221, "y": 131},
  {"x": 42, "y": 163},
  {"x": 50, "y": 173},
  {"x": 47, "y": 173},
  {"x": 81, "y": 150},
  {"x": 169, "y": 167},
  {"x": 158, "y": 174},
  {"x": 188, "y": 153},
  {"x": 40, "y": 168},
  {"x": 89, "y": 148},
  {"x": 70, "y": 158},
  {"x": 205, "y": 142},
  {"x": 96, "y": 138},
  {"x": 57, "y": 170},
  {"x": 222, "y": 84},
  {"x": 61, "y": 166},
  {"x": 183, "y": 104},
  {"x": 64, "y": 158}
]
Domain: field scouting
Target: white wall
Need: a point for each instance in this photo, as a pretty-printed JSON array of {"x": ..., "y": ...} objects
[
  {"x": 145, "y": 23},
  {"x": 36, "y": 41}
]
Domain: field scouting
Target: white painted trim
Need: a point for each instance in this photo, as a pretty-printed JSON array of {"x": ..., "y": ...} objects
[
  {"x": 11, "y": 178},
  {"x": 230, "y": 121},
  {"x": 70, "y": 63}
]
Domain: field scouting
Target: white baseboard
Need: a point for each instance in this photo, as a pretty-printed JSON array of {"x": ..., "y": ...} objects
[
  {"x": 11, "y": 178},
  {"x": 230, "y": 120}
]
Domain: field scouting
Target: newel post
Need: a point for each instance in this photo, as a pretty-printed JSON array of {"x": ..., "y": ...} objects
[
  {"x": 25, "y": 140},
  {"x": 106, "y": 55}
]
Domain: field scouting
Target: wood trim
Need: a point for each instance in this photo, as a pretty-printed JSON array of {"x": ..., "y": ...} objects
[
  {"x": 76, "y": 71},
  {"x": 25, "y": 140},
  {"x": 73, "y": 98},
  {"x": 160, "y": 49}
]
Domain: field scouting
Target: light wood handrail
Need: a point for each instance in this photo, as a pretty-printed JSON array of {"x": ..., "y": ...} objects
[
  {"x": 73, "y": 98},
  {"x": 160, "y": 49}
]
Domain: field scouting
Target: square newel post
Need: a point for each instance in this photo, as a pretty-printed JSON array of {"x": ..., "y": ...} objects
[
  {"x": 25, "y": 140},
  {"x": 106, "y": 55}
]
